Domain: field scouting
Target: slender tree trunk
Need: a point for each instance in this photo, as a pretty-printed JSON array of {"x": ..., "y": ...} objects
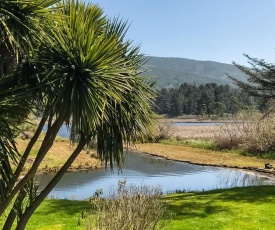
[
  {"x": 12, "y": 215},
  {"x": 30, "y": 146},
  {"x": 10, "y": 220},
  {"x": 43, "y": 194},
  {"x": 46, "y": 145}
]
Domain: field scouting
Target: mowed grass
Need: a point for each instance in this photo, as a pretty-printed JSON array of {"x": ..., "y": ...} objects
[
  {"x": 237, "y": 208},
  {"x": 56, "y": 215}
]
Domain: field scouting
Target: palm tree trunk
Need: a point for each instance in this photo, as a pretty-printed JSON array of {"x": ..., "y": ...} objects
[
  {"x": 12, "y": 215},
  {"x": 10, "y": 220},
  {"x": 46, "y": 145},
  {"x": 30, "y": 146},
  {"x": 43, "y": 194}
]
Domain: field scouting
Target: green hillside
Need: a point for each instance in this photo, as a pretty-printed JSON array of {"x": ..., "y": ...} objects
[{"x": 172, "y": 72}]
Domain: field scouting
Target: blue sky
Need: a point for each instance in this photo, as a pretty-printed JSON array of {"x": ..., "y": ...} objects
[{"x": 214, "y": 30}]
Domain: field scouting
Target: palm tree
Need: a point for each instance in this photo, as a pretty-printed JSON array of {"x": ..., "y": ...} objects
[
  {"x": 18, "y": 33},
  {"x": 89, "y": 75}
]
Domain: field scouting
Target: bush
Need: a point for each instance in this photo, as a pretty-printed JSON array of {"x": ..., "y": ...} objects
[
  {"x": 128, "y": 207},
  {"x": 250, "y": 131},
  {"x": 163, "y": 131}
]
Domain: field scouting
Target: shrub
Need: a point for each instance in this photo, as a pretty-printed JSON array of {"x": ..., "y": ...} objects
[
  {"x": 163, "y": 131},
  {"x": 249, "y": 130},
  {"x": 128, "y": 207}
]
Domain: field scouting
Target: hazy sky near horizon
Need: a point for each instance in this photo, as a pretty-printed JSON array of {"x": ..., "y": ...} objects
[{"x": 214, "y": 30}]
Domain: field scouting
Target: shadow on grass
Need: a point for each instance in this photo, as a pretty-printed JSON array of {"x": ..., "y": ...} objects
[
  {"x": 204, "y": 204},
  {"x": 251, "y": 194},
  {"x": 67, "y": 207},
  {"x": 191, "y": 205},
  {"x": 186, "y": 208}
]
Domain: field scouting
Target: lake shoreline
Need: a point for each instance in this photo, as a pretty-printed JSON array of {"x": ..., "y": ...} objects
[
  {"x": 269, "y": 173},
  {"x": 88, "y": 162},
  {"x": 261, "y": 171},
  {"x": 249, "y": 169},
  {"x": 190, "y": 120}
]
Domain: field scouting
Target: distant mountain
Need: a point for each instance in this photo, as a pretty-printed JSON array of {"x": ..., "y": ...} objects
[{"x": 172, "y": 72}]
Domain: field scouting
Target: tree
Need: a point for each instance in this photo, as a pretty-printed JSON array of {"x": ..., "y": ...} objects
[
  {"x": 260, "y": 79},
  {"x": 82, "y": 70}
]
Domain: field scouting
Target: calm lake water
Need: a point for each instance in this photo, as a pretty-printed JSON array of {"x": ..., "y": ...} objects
[
  {"x": 145, "y": 169},
  {"x": 148, "y": 170},
  {"x": 63, "y": 132},
  {"x": 196, "y": 123}
]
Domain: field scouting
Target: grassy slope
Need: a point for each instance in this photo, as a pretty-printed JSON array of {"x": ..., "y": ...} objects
[{"x": 237, "y": 208}]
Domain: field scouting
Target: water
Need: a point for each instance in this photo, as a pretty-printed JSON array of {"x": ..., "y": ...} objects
[
  {"x": 148, "y": 170},
  {"x": 196, "y": 123},
  {"x": 63, "y": 132}
]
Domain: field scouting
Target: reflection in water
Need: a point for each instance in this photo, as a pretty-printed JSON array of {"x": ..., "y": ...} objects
[
  {"x": 230, "y": 179},
  {"x": 148, "y": 170}
]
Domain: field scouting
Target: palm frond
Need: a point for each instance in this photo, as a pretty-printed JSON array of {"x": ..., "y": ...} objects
[
  {"x": 96, "y": 82},
  {"x": 18, "y": 22}
]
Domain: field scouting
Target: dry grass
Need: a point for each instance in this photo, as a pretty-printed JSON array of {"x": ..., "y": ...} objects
[
  {"x": 166, "y": 130},
  {"x": 196, "y": 132},
  {"x": 249, "y": 130},
  {"x": 128, "y": 207},
  {"x": 202, "y": 156},
  {"x": 198, "y": 155},
  {"x": 58, "y": 155}
]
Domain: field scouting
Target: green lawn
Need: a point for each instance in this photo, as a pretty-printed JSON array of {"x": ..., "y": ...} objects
[
  {"x": 57, "y": 215},
  {"x": 237, "y": 208}
]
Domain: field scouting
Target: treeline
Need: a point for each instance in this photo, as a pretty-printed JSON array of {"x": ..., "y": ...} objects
[{"x": 204, "y": 99}]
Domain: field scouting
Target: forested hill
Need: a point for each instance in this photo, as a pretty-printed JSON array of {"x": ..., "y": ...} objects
[{"x": 172, "y": 72}]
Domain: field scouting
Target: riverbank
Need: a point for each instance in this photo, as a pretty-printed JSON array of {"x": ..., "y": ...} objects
[
  {"x": 176, "y": 150},
  {"x": 87, "y": 160},
  {"x": 200, "y": 156},
  {"x": 57, "y": 156}
]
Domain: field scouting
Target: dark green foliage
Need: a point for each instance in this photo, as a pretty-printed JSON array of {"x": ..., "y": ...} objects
[
  {"x": 208, "y": 99},
  {"x": 260, "y": 80}
]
